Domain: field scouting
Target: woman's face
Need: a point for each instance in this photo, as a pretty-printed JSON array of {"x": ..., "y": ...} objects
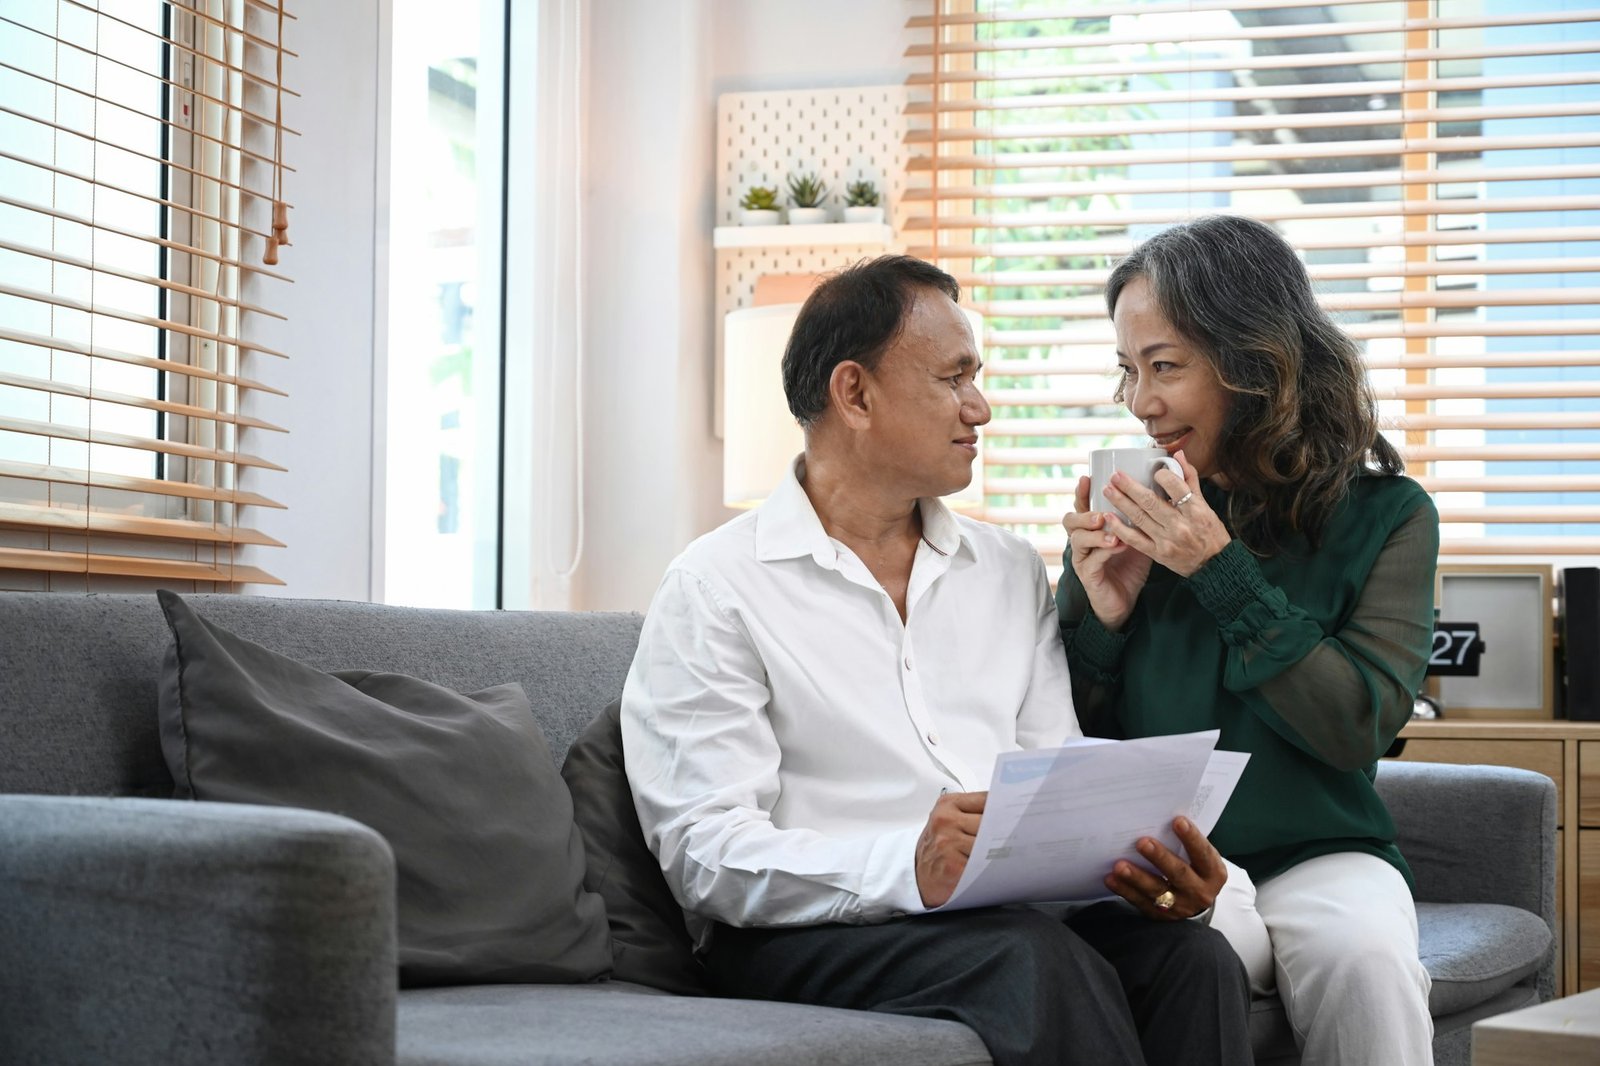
[{"x": 1167, "y": 384}]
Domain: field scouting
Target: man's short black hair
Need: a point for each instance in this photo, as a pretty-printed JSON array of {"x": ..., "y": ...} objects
[{"x": 854, "y": 315}]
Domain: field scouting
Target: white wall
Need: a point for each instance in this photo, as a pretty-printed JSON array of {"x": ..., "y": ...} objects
[
  {"x": 653, "y": 469},
  {"x": 329, "y": 336}
]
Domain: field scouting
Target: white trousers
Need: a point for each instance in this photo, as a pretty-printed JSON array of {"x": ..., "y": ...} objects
[{"x": 1337, "y": 937}]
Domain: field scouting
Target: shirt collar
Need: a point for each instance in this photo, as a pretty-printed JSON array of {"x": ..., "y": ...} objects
[{"x": 787, "y": 526}]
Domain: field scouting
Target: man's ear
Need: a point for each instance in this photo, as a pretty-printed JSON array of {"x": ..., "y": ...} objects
[{"x": 847, "y": 394}]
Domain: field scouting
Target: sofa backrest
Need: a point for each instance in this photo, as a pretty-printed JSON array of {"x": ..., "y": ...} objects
[{"x": 78, "y": 672}]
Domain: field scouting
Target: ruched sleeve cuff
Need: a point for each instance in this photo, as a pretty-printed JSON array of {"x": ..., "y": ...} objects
[
  {"x": 1093, "y": 648},
  {"x": 1230, "y": 583}
]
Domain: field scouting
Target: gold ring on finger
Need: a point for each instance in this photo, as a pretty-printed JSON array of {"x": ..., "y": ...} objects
[{"x": 1165, "y": 900}]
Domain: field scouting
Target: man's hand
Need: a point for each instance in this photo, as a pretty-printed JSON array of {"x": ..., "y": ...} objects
[
  {"x": 945, "y": 844},
  {"x": 1194, "y": 885}
]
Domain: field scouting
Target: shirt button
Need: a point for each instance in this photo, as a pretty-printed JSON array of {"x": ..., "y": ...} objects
[
  {"x": 933, "y": 738},
  {"x": 908, "y": 662}
]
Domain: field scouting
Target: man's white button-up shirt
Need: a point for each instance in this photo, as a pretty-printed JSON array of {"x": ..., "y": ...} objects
[{"x": 787, "y": 736}]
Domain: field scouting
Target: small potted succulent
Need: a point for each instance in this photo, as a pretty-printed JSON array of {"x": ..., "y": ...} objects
[
  {"x": 806, "y": 193},
  {"x": 861, "y": 202},
  {"x": 759, "y": 207}
]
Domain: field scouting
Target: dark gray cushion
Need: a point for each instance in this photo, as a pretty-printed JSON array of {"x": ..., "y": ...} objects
[
  {"x": 648, "y": 940},
  {"x": 488, "y": 861},
  {"x": 1475, "y": 951}
]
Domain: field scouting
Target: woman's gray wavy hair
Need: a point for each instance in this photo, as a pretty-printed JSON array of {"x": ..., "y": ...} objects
[{"x": 1302, "y": 422}]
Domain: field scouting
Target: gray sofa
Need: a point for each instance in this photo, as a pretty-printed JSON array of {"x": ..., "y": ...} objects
[{"x": 135, "y": 928}]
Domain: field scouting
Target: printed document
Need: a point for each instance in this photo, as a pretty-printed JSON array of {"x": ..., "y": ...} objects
[{"x": 1057, "y": 819}]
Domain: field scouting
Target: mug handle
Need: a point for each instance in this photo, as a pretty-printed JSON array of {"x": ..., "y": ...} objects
[{"x": 1171, "y": 464}]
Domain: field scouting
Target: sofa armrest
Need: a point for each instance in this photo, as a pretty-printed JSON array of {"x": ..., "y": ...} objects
[
  {"x": 139, "y": 930},
  {"x": 1477, "y": 834}
]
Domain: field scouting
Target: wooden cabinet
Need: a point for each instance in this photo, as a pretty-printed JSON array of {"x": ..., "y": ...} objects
[{"x": 1568, "y": 753}]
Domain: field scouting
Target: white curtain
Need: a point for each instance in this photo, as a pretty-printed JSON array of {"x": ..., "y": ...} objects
[{"x": 544, "y": 461}]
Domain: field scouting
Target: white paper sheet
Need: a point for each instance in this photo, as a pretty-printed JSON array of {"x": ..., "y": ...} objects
[{"x": 1056, "y": 820}]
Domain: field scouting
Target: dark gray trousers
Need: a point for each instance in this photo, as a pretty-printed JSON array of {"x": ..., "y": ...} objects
[{"x": 1102, "y": 986}]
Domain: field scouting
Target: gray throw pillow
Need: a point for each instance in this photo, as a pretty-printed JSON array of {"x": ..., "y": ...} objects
[
  {"x": 648, "y": 938},
  {"x": 490, "y": 864}
]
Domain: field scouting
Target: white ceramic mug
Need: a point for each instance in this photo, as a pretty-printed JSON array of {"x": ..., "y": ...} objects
[{"x": 1140, "y": 464}]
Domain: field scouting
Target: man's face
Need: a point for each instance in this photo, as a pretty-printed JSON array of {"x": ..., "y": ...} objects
[{"x": 927, "y": 407}]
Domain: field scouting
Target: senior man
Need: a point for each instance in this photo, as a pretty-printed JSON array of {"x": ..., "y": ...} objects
[{"x": 819, "y": 694}]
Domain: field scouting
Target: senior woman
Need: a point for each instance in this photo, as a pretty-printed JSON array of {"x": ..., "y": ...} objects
[{"x": 1281, "y": 592}]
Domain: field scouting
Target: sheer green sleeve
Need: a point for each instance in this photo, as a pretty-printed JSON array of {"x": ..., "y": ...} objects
[
  {"x": 1340, "y": 697},
  {"x": 1094, "y": 657}
]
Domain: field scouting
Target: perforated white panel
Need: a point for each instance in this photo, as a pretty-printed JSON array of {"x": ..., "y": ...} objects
[{"x": 845, "y": 135}]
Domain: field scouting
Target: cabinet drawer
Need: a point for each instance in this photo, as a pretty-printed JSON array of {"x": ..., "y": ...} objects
[
  {"x": 1540, "y": 756},
  {"x": 1589, "y": 782},
  {"x": 1588, "y": 945}
]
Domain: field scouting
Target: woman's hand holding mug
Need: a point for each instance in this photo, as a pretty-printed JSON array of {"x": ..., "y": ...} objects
[
  {"x": 1179, "y": 531},
  {"x": 1111, "y": 554}
]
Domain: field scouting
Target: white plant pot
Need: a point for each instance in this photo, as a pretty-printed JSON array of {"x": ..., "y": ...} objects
[
  {"x": 863, "y": 214},
  {"x": 807, "y": 216},
  {"x": 748, "y": 217}
]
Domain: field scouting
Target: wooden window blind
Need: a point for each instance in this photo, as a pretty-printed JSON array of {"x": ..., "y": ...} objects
[
  {"x": 141, "y": 208},
  {"x": 1436, "y": 162}
]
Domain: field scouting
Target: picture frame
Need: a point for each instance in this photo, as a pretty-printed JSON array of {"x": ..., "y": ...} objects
[{"x": 1514, "y": 606}]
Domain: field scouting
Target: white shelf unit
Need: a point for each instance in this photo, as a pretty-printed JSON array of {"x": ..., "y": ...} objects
[
  {"x": 820, "y": 235},
  {"x": 841, "y": 134}
]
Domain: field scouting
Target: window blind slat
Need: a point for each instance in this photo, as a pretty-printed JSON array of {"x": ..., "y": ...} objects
[
  {"x": 1101, "y": 337},
  {"x": 1106, "y": 10},
  {"x": 132, "y": 566},
  {"x": 146, "y": 238},
  {"x": 63, "y": 518},
  {"x": 166, "y": 366},
  {"x": 1100, "y": 363},
  {"x": 1191, "y": 65},
  {"x": 100, "y": 183},
  {"x": 1051, "y": 547},
  {"x": 1276, "y": 92},
  {"x": 1369, "y": 209},
  {"x": 1017, "y": 131},
  {"x": 1042, "y": 486},
  {"x": 101, "y": 479},
  {"x": 1432, "y": 268},
  {"x": 129, "y": 275},
  {"x": 1162, "y": 34},
  {"x": 1093, "y": 307},
  {"x": 1078, "y": 456},
  {"x": 1554, "y": 513},
  {"x": 105, "y": 311},
  {"x": 1251, "y": 153},
  {"x": 1521, "y": 390},
  {"x": 93, "y": 435},
  {"x": 1366, "y": 179},
  {"x": 185, "y": 410}
]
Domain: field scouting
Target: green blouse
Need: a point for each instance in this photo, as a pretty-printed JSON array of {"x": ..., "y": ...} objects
[{"x": 1309, "y": 660}]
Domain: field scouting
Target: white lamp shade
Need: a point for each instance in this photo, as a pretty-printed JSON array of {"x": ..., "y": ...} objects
[{"x": 760, "y": 436}]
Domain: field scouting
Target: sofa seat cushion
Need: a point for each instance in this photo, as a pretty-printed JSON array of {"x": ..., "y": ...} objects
[
  {"x": 488, "y": 861},
  {"x": 620, "y": 1024},
  {"x": 1475, "y": 951}
]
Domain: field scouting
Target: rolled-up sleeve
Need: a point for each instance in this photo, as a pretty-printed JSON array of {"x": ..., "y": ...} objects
[{"x": 703, "y": 762}]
